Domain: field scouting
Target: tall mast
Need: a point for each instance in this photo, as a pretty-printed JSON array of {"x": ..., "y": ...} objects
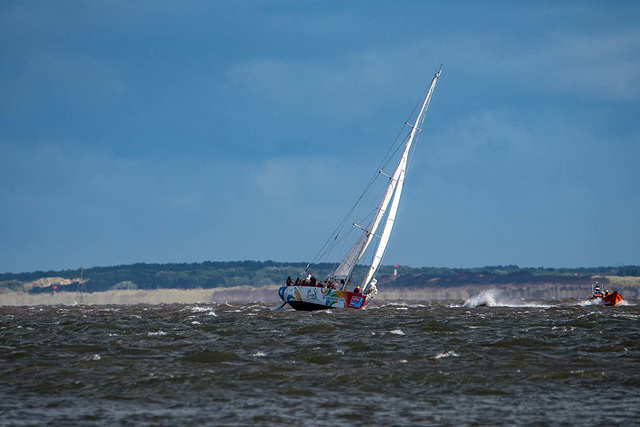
[{"x": 395, "y": 185}]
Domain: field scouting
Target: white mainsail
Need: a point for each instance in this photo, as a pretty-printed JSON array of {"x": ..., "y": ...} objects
[
  {"x": 342, "y": 273},
  {"x": 397, "y": 182},
  {"x": 386, "y": 234}
]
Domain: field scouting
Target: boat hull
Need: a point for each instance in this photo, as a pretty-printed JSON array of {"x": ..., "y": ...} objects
[
  {"x": 612, "y": 299},
  {"x": 311, "y": 298}
]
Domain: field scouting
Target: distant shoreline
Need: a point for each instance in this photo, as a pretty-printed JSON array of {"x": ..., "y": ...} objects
[
  {"x": 629, "y": 287},
  {"x": 158, "y": 296},
  {"x": 215, "y": 275}
]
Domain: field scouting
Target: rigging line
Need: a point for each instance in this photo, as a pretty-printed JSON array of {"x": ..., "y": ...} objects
[
  {"x": 366, "y": 190},
  {"x": 369, "y": 201},
  {"x": 385, "y": 161},
  {"x": 389, "y": 155},
  {"x": 341, "y": 225},
  {"x": 419, "y": 125},
  {"x": 336, "y": 232},
  {"x": 398, "y": 209},
  {"x": 410, "y": 160},
  {"x": 343, "y": 239},
  {"x": 396, "y": 151},
  {"x": 424, "y": 93},
  {"x": 417, "y": 141},
  {"x": 330, "y": 247},
  {"x": 387, "y": 158},
  {"x": 327, "y": 246},
  {"x": 413, "y": 149},
  {"x": 324, "y": 252},
  {"x": 345, "y": 219}
]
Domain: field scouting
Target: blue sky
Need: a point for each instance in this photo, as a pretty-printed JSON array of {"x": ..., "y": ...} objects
[{"x": 159, "y": 131}]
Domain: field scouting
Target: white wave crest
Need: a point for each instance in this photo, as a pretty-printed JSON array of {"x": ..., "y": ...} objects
[
  {"x": 484, "y": 299},
  {"x": 494, "y": 298},
  {"x": 589, "y": 302},
  {"x": 396, "y": 332},
  {"x": 200, "y": 309},
  {"x": 449, "y": 353}
]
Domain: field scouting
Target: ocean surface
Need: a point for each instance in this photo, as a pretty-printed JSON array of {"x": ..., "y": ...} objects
[{"x": 508, "y": 363}]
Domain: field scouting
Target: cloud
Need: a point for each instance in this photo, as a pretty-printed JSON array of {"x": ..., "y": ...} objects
[
  {"x": 292, "y": 85},
  {"x": 278, "y": 179},
  {"x": 606, "y": 66},
  {"x": 148, "y": 125},
  {"x": 66, "y": 81}
]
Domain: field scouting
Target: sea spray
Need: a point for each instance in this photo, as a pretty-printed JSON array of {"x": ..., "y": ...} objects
[
  {"x": 495, "y": 298},
  {"x": 486, "y": 298}
]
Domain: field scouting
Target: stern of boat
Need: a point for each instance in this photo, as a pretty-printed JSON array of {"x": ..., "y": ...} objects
[{"x": 308, "y": 298}]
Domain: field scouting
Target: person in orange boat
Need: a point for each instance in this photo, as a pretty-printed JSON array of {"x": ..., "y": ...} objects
[
  {"x": 597, "y": 292},
  {"x": 357, "y": 290}
]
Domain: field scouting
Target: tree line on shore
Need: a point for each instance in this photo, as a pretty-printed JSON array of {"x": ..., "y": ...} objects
[{"x": 207, "y": 275}]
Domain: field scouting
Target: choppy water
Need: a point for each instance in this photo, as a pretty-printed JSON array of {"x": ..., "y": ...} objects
[{"x": 391, "y": 364}]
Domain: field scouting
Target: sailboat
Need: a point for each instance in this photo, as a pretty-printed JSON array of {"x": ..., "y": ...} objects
[{"x": 338, "y": 291}]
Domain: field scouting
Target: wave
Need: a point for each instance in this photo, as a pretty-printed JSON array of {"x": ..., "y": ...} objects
[
  {"x": 494, "y": 298},
  {"x": 399, "y": 305},
  {"x": 449, "y": 353},
  {"x": 592, "y": 302},
  {"x": 484, "y": 299}
]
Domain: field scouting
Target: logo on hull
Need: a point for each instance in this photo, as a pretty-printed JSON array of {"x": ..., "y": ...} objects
[{"x": 356, "y": 302}]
